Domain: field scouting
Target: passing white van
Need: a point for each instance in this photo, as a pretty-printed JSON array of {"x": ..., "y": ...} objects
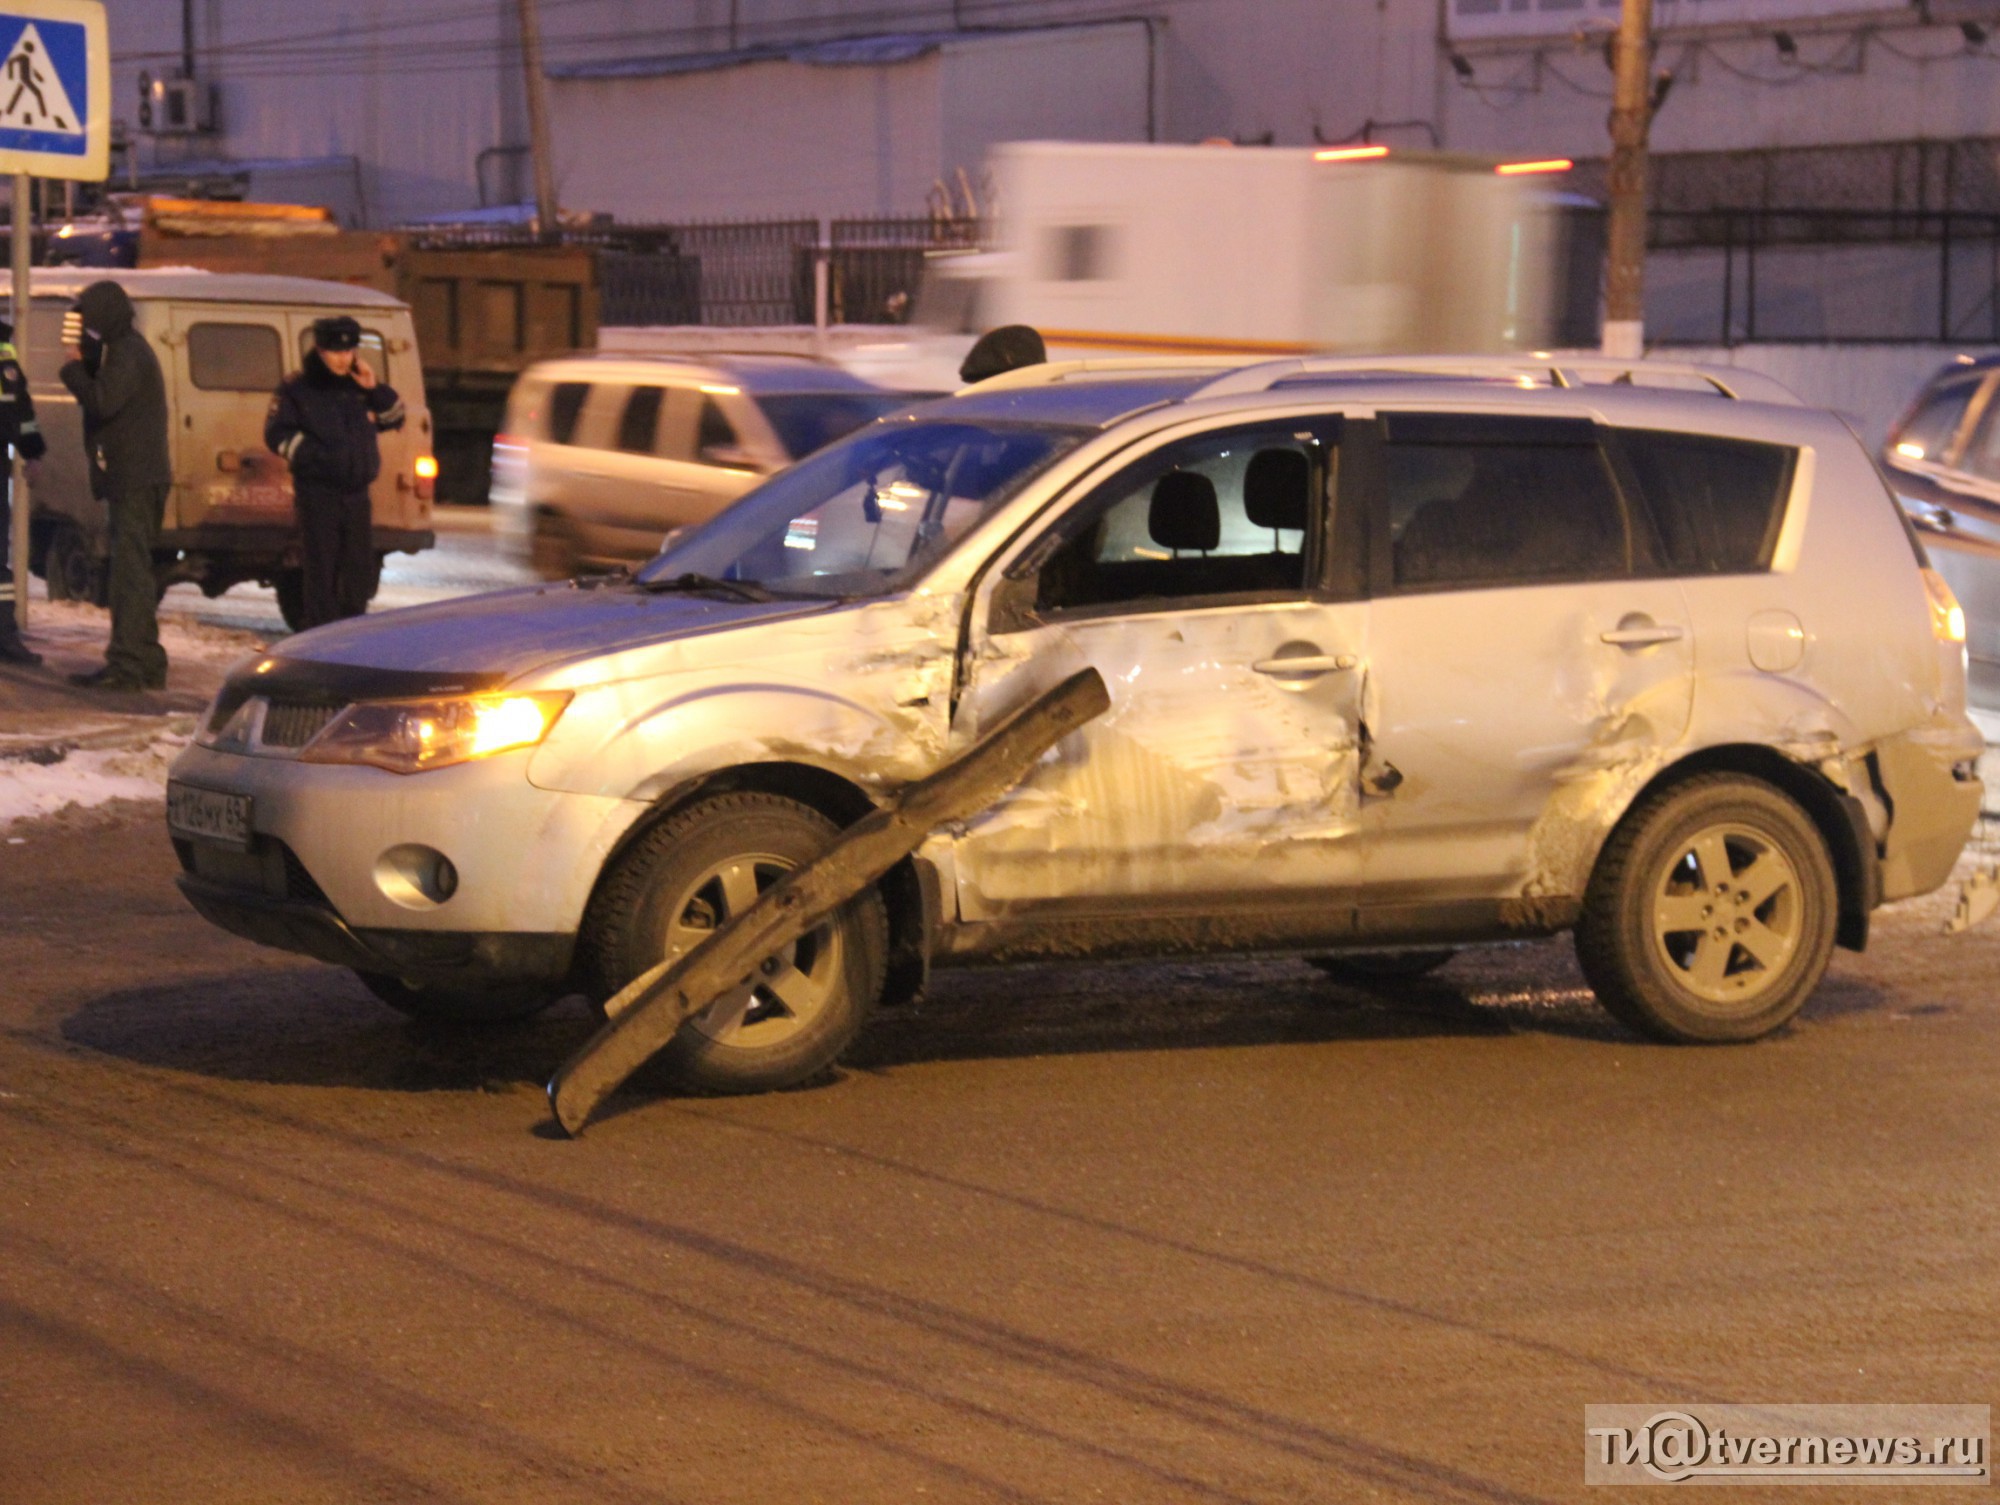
[{"x": 604, "y": 455}]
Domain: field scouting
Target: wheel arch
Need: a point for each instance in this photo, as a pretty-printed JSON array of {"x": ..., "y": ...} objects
[
  {"x": 910, "y": 889},
  {"x": 1840, "y": 819}
]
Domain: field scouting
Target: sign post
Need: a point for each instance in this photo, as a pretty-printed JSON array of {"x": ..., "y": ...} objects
[{"x": 55, "y": 122}]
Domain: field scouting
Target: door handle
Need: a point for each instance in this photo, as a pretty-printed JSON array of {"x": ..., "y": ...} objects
[
  {"x": 1640, "y": 631},
  {"x": 1304, "y": 664}
]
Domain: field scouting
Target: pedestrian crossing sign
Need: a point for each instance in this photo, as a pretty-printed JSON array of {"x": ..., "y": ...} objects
[{"x": 55, "y": 89}]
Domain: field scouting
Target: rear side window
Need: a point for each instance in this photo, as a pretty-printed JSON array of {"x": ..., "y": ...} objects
[
  {"x": 641, "y": 420},
  {"x": 1928, "y": 434},
  {"x": 1718, "y": 503},
  {"x": 566, "y": 402},
  {"x": 716, "y": 432},
  {"x": 235, "y": 357},
  {"x": 1500, "y": 501}
]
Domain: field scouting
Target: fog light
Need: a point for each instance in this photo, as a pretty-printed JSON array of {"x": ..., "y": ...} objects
[{"x": 416, "y": 877}]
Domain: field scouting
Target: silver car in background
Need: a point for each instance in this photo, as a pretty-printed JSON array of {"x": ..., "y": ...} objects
[
  {"x": 1403, "y": 656},
  {"x": 603, "y": 455}
]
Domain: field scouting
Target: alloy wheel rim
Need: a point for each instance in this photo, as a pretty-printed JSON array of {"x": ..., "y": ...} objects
[
  {"x": 791, "y": 987},
  {"x": 1727, "y": 915}
]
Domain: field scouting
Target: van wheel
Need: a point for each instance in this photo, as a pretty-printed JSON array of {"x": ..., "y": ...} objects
[
  {"x": 290, "y": 586},
  {"x": 693, "y": 873},
  {"x": 552, "y": 550},
  {"x": 500, "y": 1003},
  {"x": 1711, "y": 914},
  {"x": 70, "y": 570},
  {"x": 1366, "y": 967}
]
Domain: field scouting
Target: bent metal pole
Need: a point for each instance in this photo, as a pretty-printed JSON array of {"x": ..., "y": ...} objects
[
  {"x": 17, "y": 551},
  {"x": 651, "y": 1009}
]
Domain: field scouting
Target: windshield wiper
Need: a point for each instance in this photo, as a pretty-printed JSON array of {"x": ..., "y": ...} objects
[{"x": 740, "y": 590}]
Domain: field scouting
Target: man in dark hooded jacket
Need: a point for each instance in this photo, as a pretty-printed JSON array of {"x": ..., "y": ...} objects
[
  {"x": 115, "y": 378},
  {"x": 324, "y": 422}
]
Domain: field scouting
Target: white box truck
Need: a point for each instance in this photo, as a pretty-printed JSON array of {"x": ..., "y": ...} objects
[{"x": 1204, "y": 250}]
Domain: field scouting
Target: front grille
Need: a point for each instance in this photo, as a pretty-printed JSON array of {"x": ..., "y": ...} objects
[{"x": 289, "y": 724}]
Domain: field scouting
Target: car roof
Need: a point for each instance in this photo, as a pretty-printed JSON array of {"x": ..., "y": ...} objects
[
  {"x": 760, "y": 375},
  {"x": 190, "y": 284},
  {"x": 1099, "y": 395}
]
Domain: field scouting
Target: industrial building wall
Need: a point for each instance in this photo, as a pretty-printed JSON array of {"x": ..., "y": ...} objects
[{"x": 417, "y": 90}]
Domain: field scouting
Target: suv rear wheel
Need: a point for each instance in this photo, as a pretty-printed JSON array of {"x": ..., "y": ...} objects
[
  {"x": 690, "y": 875},
  {"x": 1712, "y": 912}
]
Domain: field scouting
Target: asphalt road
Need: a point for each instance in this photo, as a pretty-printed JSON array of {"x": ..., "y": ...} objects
[{"x": 1224, "y": 1232}]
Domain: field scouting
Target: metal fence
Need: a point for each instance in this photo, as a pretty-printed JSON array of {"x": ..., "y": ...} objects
[
  {"x": 748, "y": 272},
  {"x": 1741, "y": 276}
]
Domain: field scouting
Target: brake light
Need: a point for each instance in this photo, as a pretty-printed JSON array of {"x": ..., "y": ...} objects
[
  {"x": 1350, "y": 153},
  {"x": 1947, "y": 616},
  {"x": 1547, "y": 164},
  {"x": 426, "y": 469}
]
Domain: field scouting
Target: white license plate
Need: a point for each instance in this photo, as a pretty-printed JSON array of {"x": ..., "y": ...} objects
[{"x": 209, "y": 814}]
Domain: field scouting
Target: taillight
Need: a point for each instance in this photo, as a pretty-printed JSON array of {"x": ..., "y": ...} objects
[
  {"x": 427, "y": 472},
  {"x": 1947, "y": 616}
]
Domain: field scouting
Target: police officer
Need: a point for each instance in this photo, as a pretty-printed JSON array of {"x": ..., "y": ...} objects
[
  {"x": 115, "y": 378},
  {"x": 324, "y": 422},
  {"x": 18, "y": 429}
]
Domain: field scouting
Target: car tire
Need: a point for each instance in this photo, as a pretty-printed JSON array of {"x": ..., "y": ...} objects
[
  {"x": 1711, "y": 914},
  {"x": 552, "y": 547},
  {"x": 70, "y": 571},
  {"x": 290, "y": 587},
  {"x": 1365, "y": 967},
  {"x": 693, "y": 872},
  {"x": 500, "y": 1003}
]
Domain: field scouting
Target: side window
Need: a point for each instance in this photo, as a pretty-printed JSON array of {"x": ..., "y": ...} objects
[
  {"x": 565, "y": 407},
  {"x": 1929, "y": 432},
  {"x": 1222, "y": 515},
  {"x": 235, "y": 357},
  {"x": 1476, "y": 500},
  {"x": 1718, "y": 502},
  {"x": 716, "y": 437},
  {"x": 640, "y": 422},
  {"x": 1982, "y": 453}
]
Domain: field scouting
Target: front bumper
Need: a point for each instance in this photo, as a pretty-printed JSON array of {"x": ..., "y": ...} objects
[
  {"x": 527, "y": 859},
  {"x": 313, "y": 929}
]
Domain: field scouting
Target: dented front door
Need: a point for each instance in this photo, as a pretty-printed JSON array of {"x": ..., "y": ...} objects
[{"x": 1225, "y": 772}]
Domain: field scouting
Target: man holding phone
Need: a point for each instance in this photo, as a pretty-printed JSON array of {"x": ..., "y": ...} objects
[
  {"x": 324, "y": 422},
  {"x": 115, "y": 378}
]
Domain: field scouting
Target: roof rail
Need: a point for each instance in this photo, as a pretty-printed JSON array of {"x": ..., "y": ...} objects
[
  {"x": 1559, "y": 370},
  {"x": 1048, "y": 373}
]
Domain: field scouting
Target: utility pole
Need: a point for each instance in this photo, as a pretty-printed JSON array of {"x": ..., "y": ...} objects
[
  {"x": 538, "y": 120},
  {"x": 24, "y": 233},
  {"x": 1631, "y": 119}
]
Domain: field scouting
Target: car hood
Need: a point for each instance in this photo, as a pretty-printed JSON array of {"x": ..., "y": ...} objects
[{"x": 499, "y": 637}]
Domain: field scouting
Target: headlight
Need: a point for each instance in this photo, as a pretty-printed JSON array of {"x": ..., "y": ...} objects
[{"x": 410, "y": 736}]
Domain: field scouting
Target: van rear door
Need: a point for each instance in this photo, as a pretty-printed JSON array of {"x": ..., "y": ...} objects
[{"x": 228, "y": 360}]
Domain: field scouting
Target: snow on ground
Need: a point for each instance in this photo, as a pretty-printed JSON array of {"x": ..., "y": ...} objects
[
  {"x": 65, "y": 750},
  {"x": 50, "y": 778}
]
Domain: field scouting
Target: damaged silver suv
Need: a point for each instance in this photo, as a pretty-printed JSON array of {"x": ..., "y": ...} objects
[{"x": 1403, "y": 656}]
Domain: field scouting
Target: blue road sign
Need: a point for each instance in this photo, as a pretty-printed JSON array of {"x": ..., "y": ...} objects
[{"x": 54, "y": 68}]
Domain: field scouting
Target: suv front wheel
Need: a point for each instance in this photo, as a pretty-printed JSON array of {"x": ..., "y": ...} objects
[
  {"x": 1711, "y": 914},
  {"x": 693, "y": 873}
]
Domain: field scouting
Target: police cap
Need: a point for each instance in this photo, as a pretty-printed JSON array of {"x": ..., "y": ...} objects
[{"x": 337, "y": 333}]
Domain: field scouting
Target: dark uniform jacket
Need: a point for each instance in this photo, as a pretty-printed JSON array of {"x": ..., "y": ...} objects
[
  {"x": 121, "y": 394},
  {"x": 325, "y": 426},
  {"x": 17, "y": 410}
]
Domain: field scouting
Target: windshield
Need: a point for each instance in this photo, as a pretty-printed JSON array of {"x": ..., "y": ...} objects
[
  {"x": 807, "y": 421},
  {"x": 868, "y": 516}
]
